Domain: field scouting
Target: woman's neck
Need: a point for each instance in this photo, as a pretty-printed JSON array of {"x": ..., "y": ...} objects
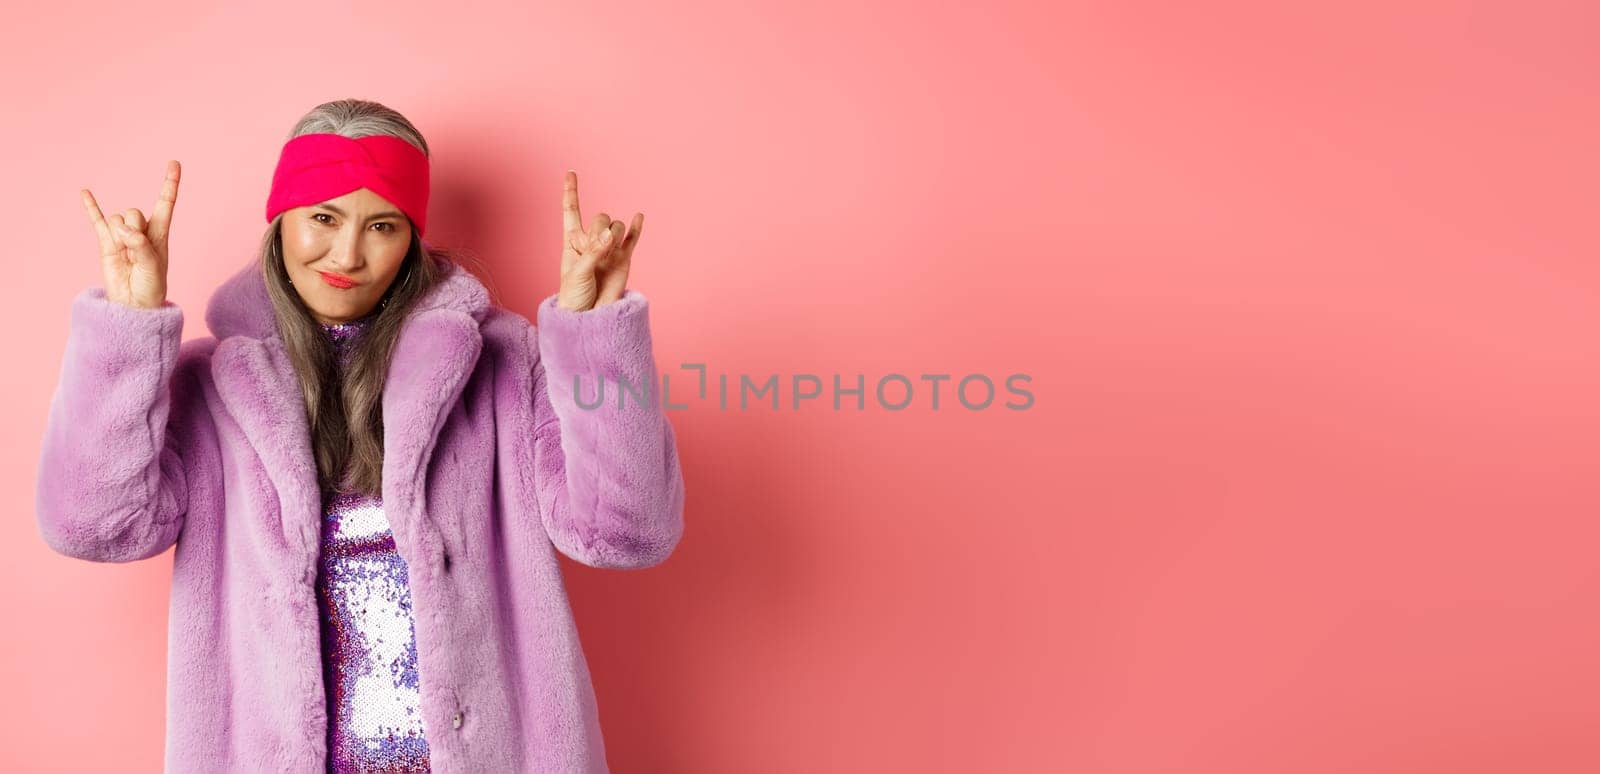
[{"x": 344, "y": 335}]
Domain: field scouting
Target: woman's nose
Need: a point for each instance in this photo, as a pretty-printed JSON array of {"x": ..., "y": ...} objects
[{"x": 346, "y": 253}]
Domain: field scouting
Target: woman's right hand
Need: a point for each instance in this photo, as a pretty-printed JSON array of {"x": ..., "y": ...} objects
[{"x": 133, "y": 253}]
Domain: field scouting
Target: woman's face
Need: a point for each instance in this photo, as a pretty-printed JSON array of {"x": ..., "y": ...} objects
[{"x": 342, "y": 254}]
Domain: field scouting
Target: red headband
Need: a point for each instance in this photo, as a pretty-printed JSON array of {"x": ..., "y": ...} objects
[{"x": 314, "y": 168}]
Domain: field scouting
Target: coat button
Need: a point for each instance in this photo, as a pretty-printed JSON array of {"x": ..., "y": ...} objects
[{"x": 456, "y": 721}]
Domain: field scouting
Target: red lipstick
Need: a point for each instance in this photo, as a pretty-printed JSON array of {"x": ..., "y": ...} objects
[{"x": 337, "y": 280}]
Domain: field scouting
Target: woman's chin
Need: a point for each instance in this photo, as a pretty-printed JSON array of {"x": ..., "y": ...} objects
[{"x": 341, "y": 312}]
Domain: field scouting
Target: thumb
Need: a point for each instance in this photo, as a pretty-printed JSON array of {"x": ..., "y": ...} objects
[
  {"x": 587, "y": 262},
  {"x": 140, "y": 249}
]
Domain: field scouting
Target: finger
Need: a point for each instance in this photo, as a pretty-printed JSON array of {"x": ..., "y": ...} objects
[
  {"x": 161, "y": 218},
  {"x": 607, "y": 241},
  {"x": 134, "y": 218},
  {"x": 614, "y": 278},
  {"x": 118, "y": 226},
  {"x": 140, "y": 248},
  {"x": 598, "y": 228},
  {"x": 615, "y": 231},
  {"x": 597, "y": 255},
  {"x": 591, "y": 250},
  {"x": 612, "y": 286},
  {"x": 119, "y": 232},
  {"x": 571, "y": 220},
  {"x": 108, "y": 242},
  {"x": 615, "y": 270},
  {"x": 626, "y": 240},
  {"x": 601, "y": 223},
  {"x": 626, "y": 248}
]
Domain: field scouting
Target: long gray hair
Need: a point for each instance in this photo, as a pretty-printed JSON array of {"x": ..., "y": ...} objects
[{"x": 345, "y": 408}]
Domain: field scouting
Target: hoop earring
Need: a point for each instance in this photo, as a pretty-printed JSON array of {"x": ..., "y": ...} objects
[{"x": 401, "y": 281}]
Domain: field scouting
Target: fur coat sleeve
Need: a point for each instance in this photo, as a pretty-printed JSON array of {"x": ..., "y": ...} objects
[
  {"x": 609, "y": 487},
  {"x": 124, "y": 440}
]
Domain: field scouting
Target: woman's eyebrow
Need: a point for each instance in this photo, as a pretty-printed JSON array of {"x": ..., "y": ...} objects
[{"x": 342, "y": 213}]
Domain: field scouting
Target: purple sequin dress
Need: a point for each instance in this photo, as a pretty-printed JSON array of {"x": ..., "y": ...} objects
[{"x": 369, "y": 649}]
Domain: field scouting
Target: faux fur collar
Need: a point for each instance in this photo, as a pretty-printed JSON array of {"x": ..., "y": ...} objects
[{"x": 436, "y": 352}]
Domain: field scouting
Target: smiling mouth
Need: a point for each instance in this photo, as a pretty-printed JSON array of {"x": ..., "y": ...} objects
[{"x": 337, "y": 280}]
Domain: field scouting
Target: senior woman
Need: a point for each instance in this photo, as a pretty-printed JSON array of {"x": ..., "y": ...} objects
[{"x": 366, "y": 469}]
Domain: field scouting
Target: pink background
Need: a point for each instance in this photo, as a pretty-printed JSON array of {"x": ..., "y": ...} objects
[{"x": 1308, "y": 298}]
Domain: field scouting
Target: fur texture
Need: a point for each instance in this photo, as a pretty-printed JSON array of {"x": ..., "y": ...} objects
[{"x": 490, "y": 466}]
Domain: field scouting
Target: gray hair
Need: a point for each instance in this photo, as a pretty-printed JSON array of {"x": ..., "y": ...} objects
[
  {"x": 357, "y": 118},
  {"x": 345, "y": 407}
]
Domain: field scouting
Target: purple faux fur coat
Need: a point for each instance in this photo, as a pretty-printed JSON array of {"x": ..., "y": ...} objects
[{"x": 490, "y": 467}]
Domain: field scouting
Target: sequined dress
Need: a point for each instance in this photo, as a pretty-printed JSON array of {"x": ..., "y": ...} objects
[{"x": 369, "y": 649}]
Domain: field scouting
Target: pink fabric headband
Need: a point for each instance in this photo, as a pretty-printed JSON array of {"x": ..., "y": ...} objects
[{"x": 314, "y": 168}]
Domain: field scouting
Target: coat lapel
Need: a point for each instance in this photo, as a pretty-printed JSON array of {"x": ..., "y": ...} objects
[
  {"x": 428, "y": 369},
  {"x": 433, "y": 358},
  {"x": 256, "y": 383}
]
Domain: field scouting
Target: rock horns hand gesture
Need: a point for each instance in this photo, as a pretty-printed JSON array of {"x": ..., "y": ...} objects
[
  {"x": 133, "y": 253},
  {"x": 594, "y": 261}
]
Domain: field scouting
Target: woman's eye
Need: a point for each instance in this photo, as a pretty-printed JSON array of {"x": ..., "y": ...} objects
[{"x": 318, "y": 217}]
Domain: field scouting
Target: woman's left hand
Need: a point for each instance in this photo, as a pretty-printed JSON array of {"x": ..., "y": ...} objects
[{"x": 594, "y": 261}]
